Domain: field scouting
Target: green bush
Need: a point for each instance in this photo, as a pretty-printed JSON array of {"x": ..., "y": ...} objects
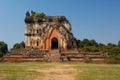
[
  {"x": 90, "y": 49},
  {"x": 113, "y": 56},
  {"x": 1, "y": 59}
]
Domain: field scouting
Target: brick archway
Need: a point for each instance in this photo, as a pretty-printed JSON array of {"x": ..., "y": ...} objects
[{"x": 54, "y": 43}]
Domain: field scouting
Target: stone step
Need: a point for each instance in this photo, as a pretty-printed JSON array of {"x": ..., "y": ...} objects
[
  {"x": 20, "y": 59},
  {"x": 55, "y": 55}
]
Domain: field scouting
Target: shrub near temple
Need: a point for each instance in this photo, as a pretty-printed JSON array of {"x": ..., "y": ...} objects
[
  {"x": 3, "y": 48},
  {"x": 18, "y": 45},
  {"x": 114, "y": 55}
]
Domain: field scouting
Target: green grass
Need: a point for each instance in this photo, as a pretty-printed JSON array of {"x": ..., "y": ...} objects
[
  {"x": 20, "y": 71},
  {"x": 82, "y": 71},
  {"x": 98, "y": 72}
]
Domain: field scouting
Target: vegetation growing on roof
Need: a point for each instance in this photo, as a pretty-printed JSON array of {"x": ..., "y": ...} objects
[{"x": 37, "y": 14}]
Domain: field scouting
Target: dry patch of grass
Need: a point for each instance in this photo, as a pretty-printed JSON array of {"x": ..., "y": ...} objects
[
  {"x": 59, "y": 72},
  {"x": 37, "y": 71},
  {"x": 3, "y": 76}
]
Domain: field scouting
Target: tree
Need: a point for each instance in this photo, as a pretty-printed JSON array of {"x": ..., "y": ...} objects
[
  {"x": 111, "y": 45},
  {"x": 101, "y": 44},
  {"x": 16, "y": 46},
  {"x": 93, "y": 43},
  {"x": 119, "y": 43},
  {"x": 79, "y": 43},
  {"x": 3, "y": 48},
  {"x": 86, "y": 42},
  {"x": 22, "y": 45}
]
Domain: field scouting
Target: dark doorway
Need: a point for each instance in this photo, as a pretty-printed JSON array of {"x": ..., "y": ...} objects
[
  {"x": 37, "y": 43},
  {"x": 54, "y": 43}
]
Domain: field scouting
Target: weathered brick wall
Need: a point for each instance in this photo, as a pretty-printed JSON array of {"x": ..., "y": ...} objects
[
  {"x": 34, "y": 54},
  {"x": 95, "y": 57}
]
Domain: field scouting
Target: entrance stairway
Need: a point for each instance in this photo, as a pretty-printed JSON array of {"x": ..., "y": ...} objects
[{"x": 55, "y": 55}]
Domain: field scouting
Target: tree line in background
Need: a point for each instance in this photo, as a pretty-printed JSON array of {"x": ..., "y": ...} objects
[
  {"x": 84, "y": 45},
  {"x": 113, "y": 50},
  {"x": 87, "y": 45}
]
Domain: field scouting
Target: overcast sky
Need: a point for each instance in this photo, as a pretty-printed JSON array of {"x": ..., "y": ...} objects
[{"x": 92, "y": 19}]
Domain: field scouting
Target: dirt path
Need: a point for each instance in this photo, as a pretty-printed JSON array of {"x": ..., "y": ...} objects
[{"x": 59, "y": 72}]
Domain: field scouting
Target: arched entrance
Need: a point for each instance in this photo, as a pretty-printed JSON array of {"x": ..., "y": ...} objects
[{"x": 54, "y": 43}]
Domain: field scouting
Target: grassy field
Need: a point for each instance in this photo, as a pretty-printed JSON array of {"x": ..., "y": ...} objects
[{"x": 58, "y": 71}]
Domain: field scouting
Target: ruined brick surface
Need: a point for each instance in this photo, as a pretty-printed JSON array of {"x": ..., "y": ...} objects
[{"x": 39, "y": 32}]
